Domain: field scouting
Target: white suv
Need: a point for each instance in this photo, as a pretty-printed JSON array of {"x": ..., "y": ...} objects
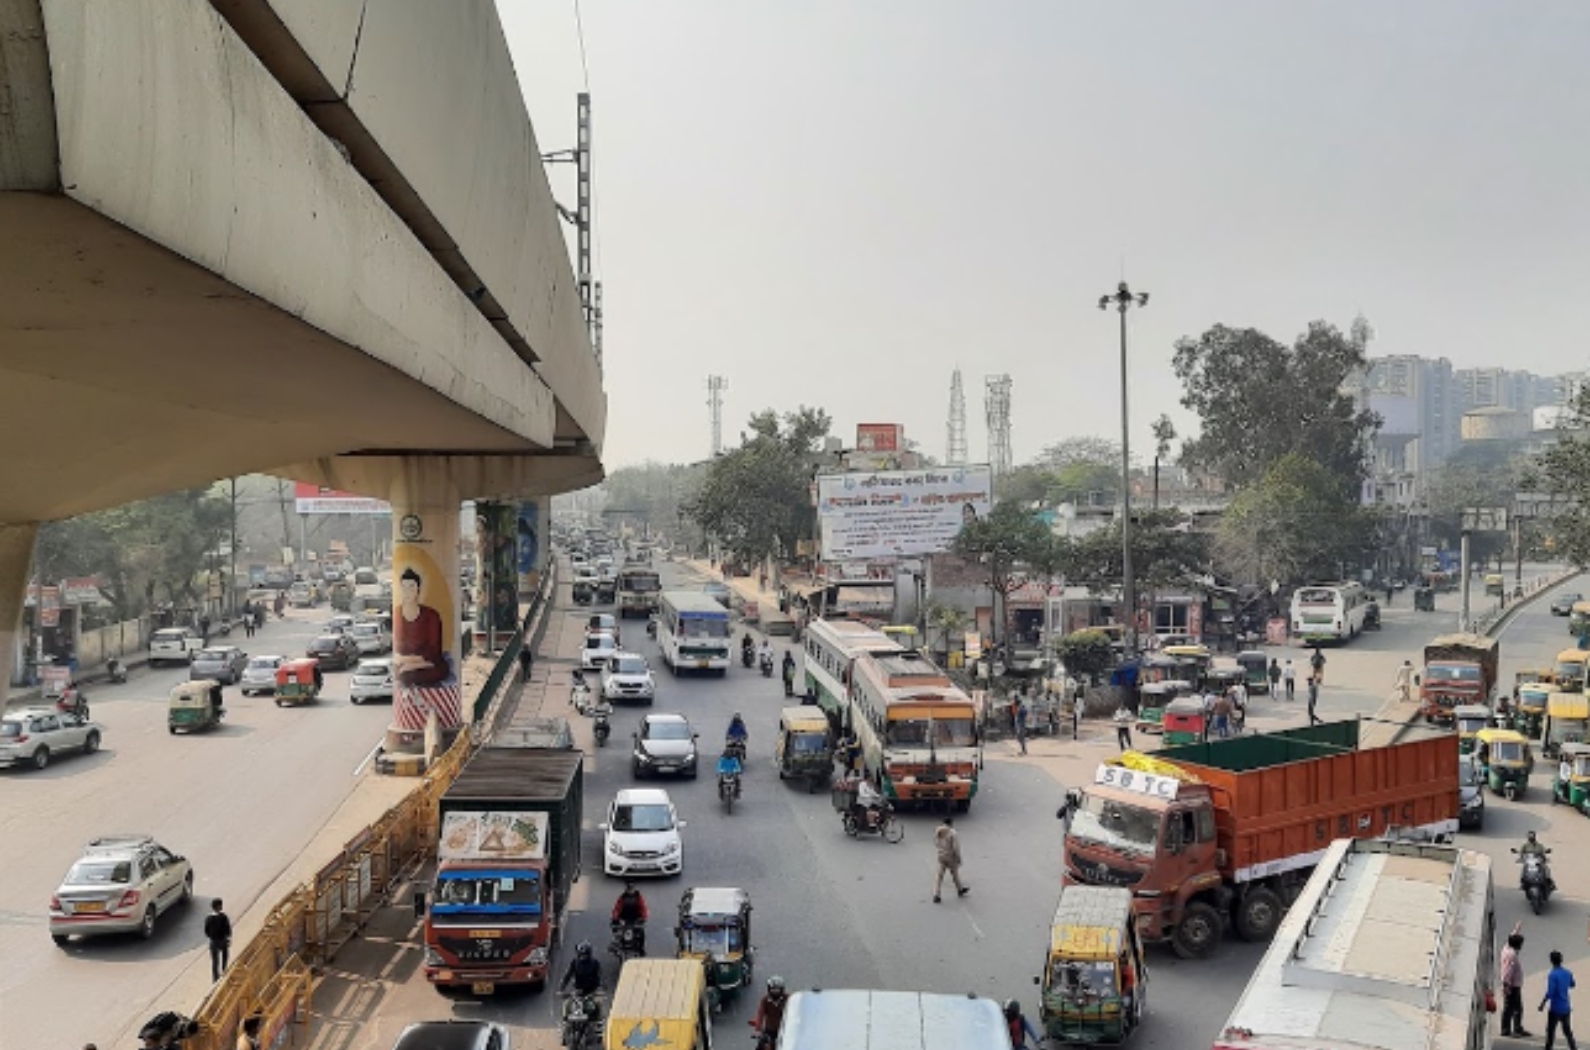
[
  {"x": 627, "y": 676},
  {"x": 35, "y": 735},
  {"x": 600, "y": 647},
  {"x": 641, "y": 834},
  {"x": 173, "y": 645},
  {"x": 121, "y": 884}
]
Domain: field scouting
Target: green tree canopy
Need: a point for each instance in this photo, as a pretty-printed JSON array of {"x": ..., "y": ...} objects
[
  {"x": 1563, "y": 471},
  {"x": 1083, "y": 470},
  {"x": 1165, "y": 553},
  {"x": 653, "y": 493},
  {"x": 1294, "y": 526},
  {"x": 1259, "y": 401},
  {"x": 756, "y": 499},
  {"x": 1004, "y": 541}
]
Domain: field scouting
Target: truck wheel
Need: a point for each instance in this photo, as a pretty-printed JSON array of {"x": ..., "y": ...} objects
[
  {"x": 1199, "y": 930},
  {"x": 1258, "y": 915}
]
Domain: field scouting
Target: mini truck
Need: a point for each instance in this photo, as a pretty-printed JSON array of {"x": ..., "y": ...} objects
[
  {"x": 1458, "y": 669},
  {"x": 1228, "y": 832},
  {"x": 508, "y": 854}
]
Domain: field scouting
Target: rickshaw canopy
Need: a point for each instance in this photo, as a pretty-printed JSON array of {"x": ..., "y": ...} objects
[
  {"x": 803, "y": 719},
  {"x": 193, "y": 694},
  {"x": 1568, "y": 706},
  {"x": 1089, "y": 922},
  {"x": 1580, "y": 609},
  {"x": 300, "y": 670},
  {"x": 715, "y": 905},
  {"x": 1185, "y": 706},
  {"x": 1536, "y": 694}
]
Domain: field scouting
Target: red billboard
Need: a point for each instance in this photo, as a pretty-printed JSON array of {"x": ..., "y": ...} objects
[
  {"x": 879, "y": 437},
  {"x": 317, "y": 499}
]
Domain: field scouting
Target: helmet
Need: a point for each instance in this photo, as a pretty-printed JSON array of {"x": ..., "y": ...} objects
[
  {"x": 629, "y": 885},
  {"x": 775, "y": 985},
  {"x": 1012, "y": 1008},
  {"x": 584, "y": 950}
]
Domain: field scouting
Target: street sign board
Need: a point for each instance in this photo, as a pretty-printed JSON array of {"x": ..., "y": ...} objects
[{"x": 1484, "y": 519}]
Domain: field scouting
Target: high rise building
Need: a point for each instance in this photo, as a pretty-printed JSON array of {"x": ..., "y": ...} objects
[{"x": 1416, "y": 401}]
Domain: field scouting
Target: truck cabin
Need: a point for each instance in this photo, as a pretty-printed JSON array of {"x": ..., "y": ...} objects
[
  {"x": 1135, "y": 826},
  {"x": 465, "y": 895}
]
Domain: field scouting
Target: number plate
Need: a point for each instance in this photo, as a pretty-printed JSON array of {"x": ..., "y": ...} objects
[
  {"x": 88, "y": 907},
  {"x": 703, "y": 663},
  {"x": 482, "y": 988}
]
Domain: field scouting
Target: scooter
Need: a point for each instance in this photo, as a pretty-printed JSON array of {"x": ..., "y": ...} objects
[
  {"x": 747, "y": 657},
  {"x": 651, "y": 626},
  {"x": 600, "y": 726},
  {"x": 1535, "y": 880},
  {"x": 116, "y": 671},
  {"x": 73, "y": 701},
  {"x": 767, "y": 665},
  {"x": 579, "y": 693}
]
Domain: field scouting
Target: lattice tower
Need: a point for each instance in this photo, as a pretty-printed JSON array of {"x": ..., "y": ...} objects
[
  {"x": 955, "y": 453},
  {"x": 716, "y": 385},
  {"x": 997, "y": 402}
]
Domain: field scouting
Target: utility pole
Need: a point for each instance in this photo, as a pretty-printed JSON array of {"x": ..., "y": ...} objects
[
  {"x": 581, "y": 219},
  {"x": 1123, "y": 299},
  {"x": 231, "y": 579},
  {"x": 716, "y": 385}
]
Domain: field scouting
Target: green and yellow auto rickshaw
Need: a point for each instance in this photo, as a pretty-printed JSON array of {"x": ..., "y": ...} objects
[
  {"x": 1184, "y": 721},
  {"x": 1255, "y": 671},
  {"x": 1567, "y": 722},
  {"x": 803, "y": 748},
  {"x": 1506, "y": 759},
  {"x": 1530, "y": 712},
  {"x": 194, "y": 706},
  {"x": 1495, "y": 584},
  {"x": 1471, "y": 718},
  {"x": 1092, "y": 987},
  {"x": 1572, "y": 782},
  {"x": 1194, "y": 658},
  {"x": 1568, "y": 672},
  {"x": 1152, "y": 700},
  {"x": 715, "y": 927}
]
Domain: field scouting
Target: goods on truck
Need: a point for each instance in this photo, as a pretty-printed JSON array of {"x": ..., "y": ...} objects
[{"x": 1458, "y": 669}]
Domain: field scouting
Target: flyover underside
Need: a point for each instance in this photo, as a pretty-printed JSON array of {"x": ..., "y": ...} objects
[{"x": 127, "y": 371}]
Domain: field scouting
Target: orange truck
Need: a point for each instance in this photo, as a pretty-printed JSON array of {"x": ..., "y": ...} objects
[
  {"x": 1458, "y": 669},
  {"x": 1227, "y": 833}
]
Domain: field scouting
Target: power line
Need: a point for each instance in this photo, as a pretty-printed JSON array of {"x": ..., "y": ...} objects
[{"x": 579, "y": 29}]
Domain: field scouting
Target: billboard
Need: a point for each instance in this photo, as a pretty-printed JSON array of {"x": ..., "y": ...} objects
[
  {"x": 317, "y": 499},
  {"x": 879, "y": 437},
  {"x": 898, "y": 513}
]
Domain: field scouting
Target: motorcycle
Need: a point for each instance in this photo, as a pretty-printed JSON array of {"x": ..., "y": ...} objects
[
  {"x": 601, "y": 727},
  {"x": 651, "y": 626},
  {"x": 728, "y": 789},
  {"x": 735, "y": 745},
  {"x": 747, "y": 657},
  {"x": 767, "y": 665},
  {"x": 579, "y": 1026},
  {"x": 1535, "y": 880},
  {"x": 629, "y": 941},
  {"x": 878, "y": 820},
  {"x": 579, "y": 693},
  {"x": 73, "y": 701},
  {"x": 116, "y": 671}
]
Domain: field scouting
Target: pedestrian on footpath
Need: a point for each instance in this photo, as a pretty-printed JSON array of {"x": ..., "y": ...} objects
[
  {"x": 526, "y": 658},
  {"x": 218, "y": 931},
  {"x": 1313, "y": 698},
  {"x": 1289, "y": 673},
  {"x": 1405, "y": 681},
  {"x": 1512, "y": 981},
  {"x": 1316, "y": 663},
  {"x": 1123, "y": 727},
  {"x": 948, "y": 845},
  {"x": 1556, "y": 1002},
  {"x": 248, "y": 1038},
  {"x": 1021, "y": 722}
]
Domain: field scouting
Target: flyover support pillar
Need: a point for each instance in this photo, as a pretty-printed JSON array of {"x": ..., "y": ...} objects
[
  {"x": 16, "y": 557},
  {"x": 427, "y": 613}
]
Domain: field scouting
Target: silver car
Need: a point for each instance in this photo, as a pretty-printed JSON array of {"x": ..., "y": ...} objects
[
  {"x": 372, "y": 680},
  {"x": 370, "y": 637},
  {"x": 260, "y": 675},
  {"x": 35, "y": 735},
  {"x": 221, "y": 663},
  {"x": 121, "y": 884}
]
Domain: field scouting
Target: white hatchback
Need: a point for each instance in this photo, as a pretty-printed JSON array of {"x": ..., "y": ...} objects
[
  {"x": 600, "y": 647},
  {"x": 370, "y": 637},
  {"x": 372, "y": 680},
  {"x": 641, "y": 834}
]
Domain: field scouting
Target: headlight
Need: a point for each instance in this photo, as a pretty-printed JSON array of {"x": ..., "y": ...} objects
[
  {"x": 670, "y": 849},
  {"x": 538, "y": 957},
  {"x": 434, "y": 958},
  {"x": 615, "y": 849}
]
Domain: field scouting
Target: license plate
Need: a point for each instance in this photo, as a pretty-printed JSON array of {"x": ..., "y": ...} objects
[
  {"x": 482, "y": 988},
  {"x": 667, "y": 769},
  {"x": 88, "y": 907},
  {"x": 703, "y": 663}
]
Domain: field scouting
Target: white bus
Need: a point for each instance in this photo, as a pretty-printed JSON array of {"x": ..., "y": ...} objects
[
  {"x": 823, "y": 1019},
  {"x": 1390, "y": 946},
  {"x": 638, "y": 588},
  {"x": 1333, "y": 612},
  {"x": 917, "y": 731},
  {"x": 693, "y": 630},
  {"x": 831, "y": 648}
]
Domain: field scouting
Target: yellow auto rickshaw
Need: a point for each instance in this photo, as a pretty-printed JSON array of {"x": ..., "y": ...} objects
[
  {"x": 1572, "y": 782},
  {"x": 715, "y": 930},
  {"x": 1471, "y": 718},
  {"x": 1093, "y": 978},
  {"x": 1567, "y": 720},
  {"x": 1506, "y": 759},
  {"x": 1568, "y": 670},
  {"x": 1199, "y": 655},
  {"x": 1495, "y": 584},
  {"x": 803, "y": 748},
  {"x": 659, "y": 1003},
  {"x": 193, "y": 706},
  {"x": 1530, "y": 714},
  {"x": 298, "y": 682},
  {"x": 1579, "y": 619}
]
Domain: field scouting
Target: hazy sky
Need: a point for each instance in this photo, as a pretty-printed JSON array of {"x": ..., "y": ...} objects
[{"x": 837, "y": 203}]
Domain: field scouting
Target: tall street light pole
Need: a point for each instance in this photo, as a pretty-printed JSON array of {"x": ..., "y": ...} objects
[{"x": 1123, "y": 299}]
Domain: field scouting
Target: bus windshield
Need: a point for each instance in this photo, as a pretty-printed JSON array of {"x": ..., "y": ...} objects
[
  {"x": 703, "y": 626},
  {"x": 940, "y": 732}
]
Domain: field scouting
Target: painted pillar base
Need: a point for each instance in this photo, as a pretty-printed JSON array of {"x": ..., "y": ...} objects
[
  {"x": 426, "y": 608},
  {"x": 16, "y": 557}
]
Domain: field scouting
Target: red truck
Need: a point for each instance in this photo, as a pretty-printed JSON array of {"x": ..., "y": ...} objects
[
  {"x": 1227, "y": 832},
  {"x": 1458, "y": 669}
]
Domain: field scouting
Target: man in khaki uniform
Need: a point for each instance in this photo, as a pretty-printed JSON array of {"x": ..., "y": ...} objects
[{"x": 948, "y": 844}]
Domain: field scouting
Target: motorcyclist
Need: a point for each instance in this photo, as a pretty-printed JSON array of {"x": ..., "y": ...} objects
[
  {"x": 1534, "y": 847},
  {"x": 789, "y": 672},
  {"x": 630, "y": 910},
  {"x": 737, "y": 733},
  {"x": 770, "y": 1013},
  {"x": 747, "y": 643},
  {"x": 585, "y": 971},
  {"x": 764, "y": 653},
  {"x": 729, "y": 766}
]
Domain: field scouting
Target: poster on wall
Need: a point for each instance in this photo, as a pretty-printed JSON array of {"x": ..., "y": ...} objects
[
  {"x": 497, "y": 608},
  {"x": 425, "y": 620},
  {"x": 530, "y": 547},
  {"x": 884, "y": 514}
]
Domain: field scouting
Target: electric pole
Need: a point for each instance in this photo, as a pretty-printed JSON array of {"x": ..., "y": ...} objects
[{"x": 1123, "y": 299}]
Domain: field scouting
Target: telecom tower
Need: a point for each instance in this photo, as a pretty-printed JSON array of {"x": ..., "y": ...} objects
[
  {"x": 955, "y": 454},
  {"x": 998, "y": 405},
  {"x": 716, "y": 385}
]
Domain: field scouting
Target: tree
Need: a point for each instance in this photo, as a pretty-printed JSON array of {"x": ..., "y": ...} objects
[
  {"x": 1259, "y": 401},
  {"x": 1294, "y": 526},
  {"x": 1563, "y": 472},
  {"x": 755, "y": 500},
  {"x": 652, "y": 494},
  {"x": 1471, "y": 479},
  {"x": 1086, "y": 654},
  {"x": 1164, "y": 434},
  {"x": 1165, "y": 553},
  {"x": 1083, "y": 470},
  {"x": 1003, "y": 541},
  {"x": 945, "y": 620}
]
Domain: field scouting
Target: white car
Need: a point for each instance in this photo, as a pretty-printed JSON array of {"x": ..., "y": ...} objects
[
  {"x": 372, "y": 680},
  {"x": 33, "y": 736},
  {"x": 600, "y": 647},
  {"x": 627, "y": 676},
  {"x": 370, "y": 637},
  {"x": 604, "y": 622},
  {"x": 641, "y": 834},
  {"x": 174, "y": 645},
  {"x": 260, "y": 675},
  {"x": 121, "y": 884}
]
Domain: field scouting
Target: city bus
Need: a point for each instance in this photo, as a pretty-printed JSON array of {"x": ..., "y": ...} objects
[
  {"x": 917, "y": 731},
  {"x": 1390, "y": 946},
  {"x": 693, "y": 631},
  {"x": 1329, "y": 612},
  {"x": 831, "y": 648},
  {"x": 637, "y": 592}
]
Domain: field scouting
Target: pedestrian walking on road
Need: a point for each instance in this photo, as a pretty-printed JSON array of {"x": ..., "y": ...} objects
[
  {"x": 1313, "y": 698},
  {"x": 1021, "y": 722},
  {"x": 1123, "y": 727},
  {"x": 1556, "y": 1003},
  {"x": 1317, "y": 664},
  {"x": 1275, "y": 677},
  {"x": 218, "y": 931},
  {"x": 948, "y": 845},
  {"x": 1289, "y": 673},
  {"x": 1512, "y": 981},
  {"x": 1020, "y": 1028},
  {"x": 1405, "y": 681}
]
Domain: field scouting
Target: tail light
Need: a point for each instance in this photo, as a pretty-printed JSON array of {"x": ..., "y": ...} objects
[
  {"x": 128, "y": 899},
  {"x": 21, "y": 738},
  {"x": 55, "y": 903}
]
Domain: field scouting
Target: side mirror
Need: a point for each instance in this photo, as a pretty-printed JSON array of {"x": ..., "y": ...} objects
[
  {"x": 680, "y": 825},
  {"x": 601, "y": 827}
]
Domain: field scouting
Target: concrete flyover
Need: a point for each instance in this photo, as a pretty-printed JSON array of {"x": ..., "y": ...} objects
[{"x": 305, "y": 237}]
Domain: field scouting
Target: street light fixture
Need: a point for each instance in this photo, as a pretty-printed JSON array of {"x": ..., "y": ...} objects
[{"x": 1123, "y": 299}]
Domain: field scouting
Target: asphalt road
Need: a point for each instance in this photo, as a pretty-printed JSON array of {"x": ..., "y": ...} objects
[{"x": 240, "y": 802}]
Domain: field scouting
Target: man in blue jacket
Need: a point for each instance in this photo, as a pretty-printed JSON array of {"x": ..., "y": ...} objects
[{"x": 1556, "y": 1003}]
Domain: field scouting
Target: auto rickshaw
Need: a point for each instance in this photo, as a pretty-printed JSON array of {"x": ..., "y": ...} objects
[
  {"x": 1506, "y": 759},
  {"x": 1199, "y": 655},
  {"x": 1567, "y": 721},
  {"x": 1573, "y": 789},
  {"x": 1579, "y": 619},
  {"x": 1471, "y": 718},
  {"x": 1424, "y": 599},
  {"x": 1184, "y": 721},
  {"x": 715, "y": 927},
  {"x": 1530, "y": 712},
  {"x": 1495, "y": 584},
  {"x": 1160, "y": 669},
  {"x": 1093, "y": 978},
  {"x": 298, "y": 682},
  {"x": 1568, "y": 670},
  {"x": 1151, "y": 703},
  {"x": 194, "y": 706},
  {"x": 1255, "y": 670},
  {"x": 803, "y": 748}
]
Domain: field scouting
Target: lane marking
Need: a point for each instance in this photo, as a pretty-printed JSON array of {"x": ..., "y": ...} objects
[{"x": 360, "y": 768}]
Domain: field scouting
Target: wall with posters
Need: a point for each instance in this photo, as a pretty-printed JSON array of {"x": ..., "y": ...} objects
[
  {"x": 900, "y": 513},
  {"x": 426, "y": 648},
  {"x": 497, "y": 570},
  {"x": 531, "y": 552}
]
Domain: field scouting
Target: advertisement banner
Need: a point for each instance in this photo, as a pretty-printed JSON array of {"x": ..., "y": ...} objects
[
  {"x": 496, "y": 835},
  {"x": 879, "y": 437},
  {"x": 531, "y": 550},
  {"x": 316, "y": 499},
  {"x": 497, "y": 569},
  {"x": 80, "y": 590},
  {"x": 426, "y": 646},
  {"x": 886, "y": 514},
  {"x": 50, "y": 607}
]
